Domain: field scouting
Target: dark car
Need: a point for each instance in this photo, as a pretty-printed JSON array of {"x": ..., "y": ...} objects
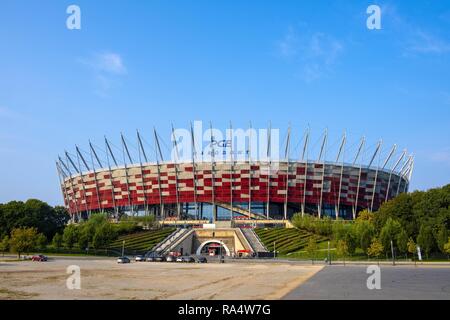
[
  {"x": 39, "y": 257},
  {"x": 139, "y": 258},
  {"x": 153, "y": 256},
  {"x": 186, "y": 259},
  {"x": 160, "y": 259},
  {"x": 123, "y": 260},
  {"x": 200, "y": 259},
  {"x": 170, "y": 258}
]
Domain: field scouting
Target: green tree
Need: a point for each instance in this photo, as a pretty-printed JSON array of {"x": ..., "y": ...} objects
[
  {"x": 311, "y": 248},
  {"x": 402, "y": 241},
  {"x": 41, "y": 241},
  {"x": 340, "y": 230},
  {"x": 365, "y": 215},
  {"x": 22, "y": 240},
  {"x": 32, "y": 213},
  {"x": 84, "y": 236},
  {"x": 389, "y": 233},
  {"x": 412, "y": 247},
  {"x": 351, "y": 241},
  {"x": 442, "y": 237},
  {"x": 103, "y": 236},
  {"x": 447, "y": 247},
  {"x": 364, "y": 231},
  {"x": 57, "y": 241},
  {"x": 425, "y": 239},
  {"x": 70, "y": 236},
  {"x": 375, "y": 249},
  {"x": 342, "y": 249},
  {"x": 4, "y": 245}
]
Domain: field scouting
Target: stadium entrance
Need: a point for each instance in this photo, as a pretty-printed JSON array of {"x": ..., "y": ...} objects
[{"x": 213, "y": 248}]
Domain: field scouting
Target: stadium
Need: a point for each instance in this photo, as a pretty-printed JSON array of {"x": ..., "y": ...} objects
[{"x": 214, "y": 188}]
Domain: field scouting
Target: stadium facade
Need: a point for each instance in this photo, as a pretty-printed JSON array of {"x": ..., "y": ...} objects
[{"x": 229, "y": 189}]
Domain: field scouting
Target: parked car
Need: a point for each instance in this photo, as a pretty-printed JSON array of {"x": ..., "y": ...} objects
[
  {"x": 139, "y": 258},
  {"x": 171, "y": 258},
  {"x": 123, "y": 260},
  {"x": 153, "y": 256},
  {"x": 200, "y": 259},
  {"x": 160, "y": 259},
  {"x": 185, "y": 259},
  {"x": 39, "y": 257}
]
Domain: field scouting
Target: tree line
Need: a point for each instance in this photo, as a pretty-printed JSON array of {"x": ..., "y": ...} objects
[
  {"x": 35, "y": 225},
  {"x": 420, "y": 218}
]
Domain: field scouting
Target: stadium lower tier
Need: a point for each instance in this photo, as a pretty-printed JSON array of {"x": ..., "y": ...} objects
[{"x": 224, "y": 191}]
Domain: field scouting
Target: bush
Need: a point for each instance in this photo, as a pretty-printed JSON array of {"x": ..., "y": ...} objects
[
  {"x": 4, "y": 245},
  {"x": 103, "y": 236},
  {"x": 41, "y": 241},
  {"x": 57, "y": 241},
  {"x": 23, "y": 240},
  {"x": 70, "y": 236}
]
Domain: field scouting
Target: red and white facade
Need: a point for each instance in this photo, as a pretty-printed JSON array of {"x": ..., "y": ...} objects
[{"x": 253, "y": 189}]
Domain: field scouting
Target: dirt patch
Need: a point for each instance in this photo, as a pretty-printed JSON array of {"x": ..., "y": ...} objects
[
  {"x": 8, "y": 294},
  {"x": 105, "y": 279}
]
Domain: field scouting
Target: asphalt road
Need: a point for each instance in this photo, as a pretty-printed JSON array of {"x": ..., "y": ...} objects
[{"x": 397, "y": 283}]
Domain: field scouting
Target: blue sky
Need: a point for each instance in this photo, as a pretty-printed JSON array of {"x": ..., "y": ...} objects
[{"x": 135, "y": 65}]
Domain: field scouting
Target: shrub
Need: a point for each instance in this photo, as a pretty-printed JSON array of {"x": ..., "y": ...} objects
[{"x": 23, "y": 240}]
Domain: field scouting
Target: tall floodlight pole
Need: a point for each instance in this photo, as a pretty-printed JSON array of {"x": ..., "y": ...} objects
[
  {"x": 83, "y": 185},
  {"x": 213, "y": 198},
  {"x": 400, "y": 173},
  {"x": 194, "y": 153},
  {"x": 100, "y": 165},
  {"x": 286, "y": 157},
  {"x": 389, "y": 156},
  {"x": 125, "y": 150},
  {"x": 250, "y": 169},
  {"x": 142, "y": 151},
  {"x": 93, "y": 154},
  {"x": 108, "y": 153},
  {"x": 361, "y": 146},
  {"x": 377, "y": 149},
  {"x": 341, "y": 151},
  {"x": 269, "y": 134},
  {"x": 74, "y": 196},
  {"x": 322, "y": 152},
  {"x": 391, "y": 172},
  {"x": 408, "y": 174},
  {"x": 305, "y": 162},
  {"x": 78, "y": 170},
  {"x": 158, "y": 150},
  {"x": 376, "y": 175},
  {"x": 96, "y": 180},
  {"x": 62, "y": 181},
  {"x": 231, "y": 171},
  {"x": 177, "y": 156}
]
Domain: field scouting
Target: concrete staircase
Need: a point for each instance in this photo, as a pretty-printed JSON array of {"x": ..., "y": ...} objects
[
  {"x": 253, "y": 240},
  {"x": 164, "y": 246}
]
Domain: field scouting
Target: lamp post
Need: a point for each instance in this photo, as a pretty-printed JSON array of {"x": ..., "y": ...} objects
[
  {"x": 123, "y": 247},
  {"x": 392, "y": 251},
  {"x": 328, "y": 255}
]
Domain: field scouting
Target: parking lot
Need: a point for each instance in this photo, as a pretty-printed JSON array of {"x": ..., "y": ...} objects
[
  {"x": 106, "y": 279},
  {"x": 429, "y": 282}
]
